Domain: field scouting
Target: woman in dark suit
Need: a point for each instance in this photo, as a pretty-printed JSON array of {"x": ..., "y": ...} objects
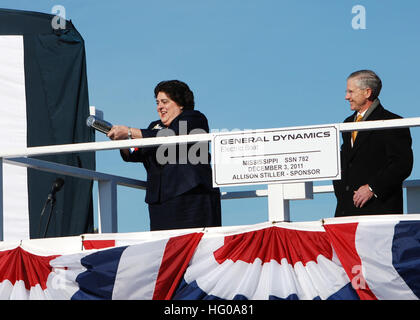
[{"x": 179, "y": 178}]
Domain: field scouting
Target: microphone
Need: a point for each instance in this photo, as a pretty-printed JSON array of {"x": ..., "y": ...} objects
[
  {"x": 57, "y": 185},
  {"x": 98, "y": 124}
]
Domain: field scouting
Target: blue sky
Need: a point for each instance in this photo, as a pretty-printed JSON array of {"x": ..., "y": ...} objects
[{"x": 252, "y": 64}]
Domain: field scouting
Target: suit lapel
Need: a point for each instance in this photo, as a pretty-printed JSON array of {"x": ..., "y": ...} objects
[
  {"x": 347, "y": 149},
  {"x": 362, "y": 136}
]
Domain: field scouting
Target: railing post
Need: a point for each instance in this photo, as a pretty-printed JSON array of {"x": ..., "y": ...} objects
[
  {"x": 107, "y": 208},
  {"x": 1, "y": 201},
  {"x": 413, "y": 199},
  {"x": 278, "y": 207}
]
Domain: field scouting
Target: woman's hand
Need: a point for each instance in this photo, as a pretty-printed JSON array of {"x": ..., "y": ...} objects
[
  {"x": 121, "y": 133},
  {"x": 118, "y": 133}
]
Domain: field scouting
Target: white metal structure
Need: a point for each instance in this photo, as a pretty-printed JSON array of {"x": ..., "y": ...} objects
[{"x": 278, "y": 195}]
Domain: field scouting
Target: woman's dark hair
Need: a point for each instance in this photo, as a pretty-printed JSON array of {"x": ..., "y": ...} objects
[{"x": 178, "y": 91}]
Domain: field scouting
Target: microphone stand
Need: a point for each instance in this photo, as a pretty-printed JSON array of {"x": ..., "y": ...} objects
[
  {"x": 50, "y": 199},
  {"x": 58, "y": 183}
]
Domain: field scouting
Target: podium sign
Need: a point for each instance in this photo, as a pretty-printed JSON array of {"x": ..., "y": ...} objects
[{"x": 276, "y": 156}]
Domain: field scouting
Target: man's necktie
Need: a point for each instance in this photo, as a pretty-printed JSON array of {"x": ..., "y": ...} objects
[{"x": 354, "y": 133}]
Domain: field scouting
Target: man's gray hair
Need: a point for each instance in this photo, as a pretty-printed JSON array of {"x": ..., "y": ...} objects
[{"x": 368, "y": 79}]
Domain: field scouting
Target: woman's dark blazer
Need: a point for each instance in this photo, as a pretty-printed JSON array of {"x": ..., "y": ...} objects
[
  {"x": 381, "y": 158},
  {"x": 166, "y": 181}
]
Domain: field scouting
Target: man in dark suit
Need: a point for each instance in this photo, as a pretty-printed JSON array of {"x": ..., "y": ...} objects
[{"x": 374, "y": 163}]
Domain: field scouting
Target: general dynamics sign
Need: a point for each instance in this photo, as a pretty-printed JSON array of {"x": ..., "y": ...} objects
[{"x": 276, "y": 156}]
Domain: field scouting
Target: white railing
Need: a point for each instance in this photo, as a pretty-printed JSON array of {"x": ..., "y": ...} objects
[{"x": 278, "y": 194}]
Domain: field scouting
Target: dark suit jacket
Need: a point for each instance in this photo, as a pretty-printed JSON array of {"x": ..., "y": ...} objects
[
  {"x": 381, "y": 158},
  {"x": 166, "y": 181}
]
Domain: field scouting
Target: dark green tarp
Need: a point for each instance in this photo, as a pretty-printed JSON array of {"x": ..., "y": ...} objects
[{"x": 57, "y": 106}]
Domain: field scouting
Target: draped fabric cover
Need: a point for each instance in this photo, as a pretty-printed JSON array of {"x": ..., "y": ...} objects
[{"x": 43, "y": 101}]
